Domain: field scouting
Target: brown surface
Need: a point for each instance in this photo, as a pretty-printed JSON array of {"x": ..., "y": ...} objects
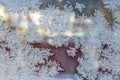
[{"x": 68, "y": 63}]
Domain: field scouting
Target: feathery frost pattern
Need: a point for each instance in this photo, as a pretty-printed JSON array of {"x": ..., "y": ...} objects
[{"x": 59, "y": 40}]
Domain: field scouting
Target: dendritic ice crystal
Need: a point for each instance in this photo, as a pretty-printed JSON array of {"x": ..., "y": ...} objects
[{"x": 59, "y": 39}]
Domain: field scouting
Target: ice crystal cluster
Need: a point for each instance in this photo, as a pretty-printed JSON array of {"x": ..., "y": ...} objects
[{"x": 59, "y": 22}]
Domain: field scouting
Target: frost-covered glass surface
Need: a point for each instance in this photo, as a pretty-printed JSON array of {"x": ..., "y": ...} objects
[{"x": 59, "y": 40}]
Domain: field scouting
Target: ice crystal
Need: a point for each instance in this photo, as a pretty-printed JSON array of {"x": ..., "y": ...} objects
[
  {"x": 112, "y": 4},
  {"x": 71, "y": 52},
  {"x": 91, "y": 41}
]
